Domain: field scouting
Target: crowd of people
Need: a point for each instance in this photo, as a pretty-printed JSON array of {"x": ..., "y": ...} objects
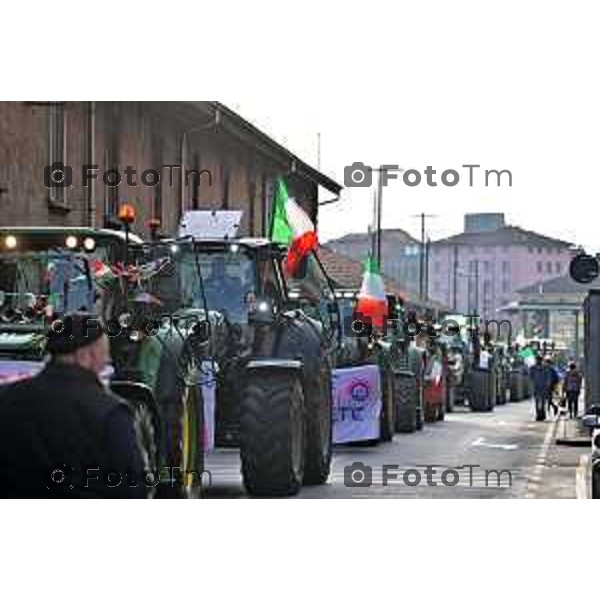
[{"x": 554, "y": 387}]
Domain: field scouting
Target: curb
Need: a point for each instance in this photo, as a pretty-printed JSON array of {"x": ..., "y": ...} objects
[{"x": 581, "y": 478}]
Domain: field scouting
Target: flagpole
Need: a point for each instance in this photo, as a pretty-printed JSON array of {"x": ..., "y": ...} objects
[
  {"x": 379, "y": 208},
  {"x": 273, "y": 211}
]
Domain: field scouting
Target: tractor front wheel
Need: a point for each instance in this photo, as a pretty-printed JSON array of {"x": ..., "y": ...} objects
[{"x": 272, "y": 434}]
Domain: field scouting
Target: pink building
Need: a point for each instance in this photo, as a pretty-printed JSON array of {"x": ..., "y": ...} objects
[{"x": 482, "y": 268}]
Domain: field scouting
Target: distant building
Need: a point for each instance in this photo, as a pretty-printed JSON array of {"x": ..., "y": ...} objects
[
  {"x": 347, "y": 273},
  {"x": 400, "y": 254},
  {"x": 483, "y": 268},
  {"x": 551, "y": 309}
]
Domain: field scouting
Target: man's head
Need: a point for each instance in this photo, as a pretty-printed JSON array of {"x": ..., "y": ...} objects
[
  {"x": 79, "y": 339},
  {"x": 572, "y": 366},
  {"x": 539, "y": 360}
]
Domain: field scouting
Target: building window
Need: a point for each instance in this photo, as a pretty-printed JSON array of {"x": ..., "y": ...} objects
[
  {"x": 225, "y": 178},
  {"x": 540, "y": 266},
  {"x": 193, "y": 181},
  {"x": 505, "y": 267},
  {"x": 505, "y": 286},
  {"x": 486, "y": 266},
  {"x": 268, "y": 193},
  {"x": 57, "y": 150},
  {"x": 540, "y": 250},
  {"x": 558, "y": 268},
  {"x": 549, "y": 267},
  {"x": 531, "y": 250},
  {"x": 111, "y": 193}
]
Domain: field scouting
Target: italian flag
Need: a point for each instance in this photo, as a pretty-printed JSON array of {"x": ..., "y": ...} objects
[
  {"x": 293, "y": 228},
  {"x": 372, "y": 301}
]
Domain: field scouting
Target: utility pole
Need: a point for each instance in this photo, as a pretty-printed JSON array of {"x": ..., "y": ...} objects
[
  {"x": 319, "y": 151},
  {"x": 477, "y": 286},
  {"x": 373, "y": 229},
  {"x": 427, "y": 250},
  {"x": 91, "y": 160},
  {"x": 423, "y": 259},
  {"x": 455, "y": 279}
]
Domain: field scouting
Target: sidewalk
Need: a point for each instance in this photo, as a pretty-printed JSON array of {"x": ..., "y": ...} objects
[{"x": 559, "y": 473}]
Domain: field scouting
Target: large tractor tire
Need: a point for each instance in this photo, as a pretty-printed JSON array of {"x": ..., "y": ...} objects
[
  {"x": 272, "y": 434},
  {"x": 405, "y": 401},
  {"x": 319, "y": 429},
  {"x": 479, "y": 387},
  {"x": 388, "y": 421},
  {"x": 596, "y": 481},
  {"x": 516, "y": 387},
  {"x": 450, "y": 396},
  {"x": 441, "y": 414},
  {"x": 420, "y": 403},
  {"x": 431, "y": 413},
  {"x": 146, "y": 423},
  {"x": 491, "y": 397}
]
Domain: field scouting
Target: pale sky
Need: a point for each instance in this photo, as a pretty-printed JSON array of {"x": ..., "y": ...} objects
[{"x": 506, "y": 90}]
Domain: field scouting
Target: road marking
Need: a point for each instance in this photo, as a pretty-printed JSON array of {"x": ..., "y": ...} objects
[
  {"x": 482, "y": 443},
  {"x": 540, "y": 465}
]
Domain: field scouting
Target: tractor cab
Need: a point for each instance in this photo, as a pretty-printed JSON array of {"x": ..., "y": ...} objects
[{"x": 43, "y": 274}]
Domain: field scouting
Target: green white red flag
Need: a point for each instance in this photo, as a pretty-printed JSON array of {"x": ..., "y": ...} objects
[
  {"x": 372, "y": 300},
  {"x": 293, "y": 228}
]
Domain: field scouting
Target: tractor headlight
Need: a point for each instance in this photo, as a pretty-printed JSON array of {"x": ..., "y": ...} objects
[
  {"x": 11, "y": 242},
  {"x": 71, "y": 242},
  {"x": 89, "y": 244}
]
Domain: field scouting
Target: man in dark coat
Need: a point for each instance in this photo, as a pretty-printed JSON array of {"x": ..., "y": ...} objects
[
  {"x": 62, "y": 433},
  {"x": 572, "y": 386},
  {"x": 543, "y": 381}
]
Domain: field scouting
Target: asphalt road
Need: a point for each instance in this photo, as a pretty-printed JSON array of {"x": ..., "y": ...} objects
[{"x": 505, "y": 454}]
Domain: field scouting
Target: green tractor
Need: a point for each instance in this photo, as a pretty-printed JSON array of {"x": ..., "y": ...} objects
[
  {"x": 48, "y": 272},
  {"x": 269, "y": 360},
  {"x": 399, "y": 362}
]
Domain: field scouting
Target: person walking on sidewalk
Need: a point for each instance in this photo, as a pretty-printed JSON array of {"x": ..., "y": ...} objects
[
  {"x": 572, "y": 384},
  {"x": 541, "y": 377},
  {"x": 555, "y": 380}
]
